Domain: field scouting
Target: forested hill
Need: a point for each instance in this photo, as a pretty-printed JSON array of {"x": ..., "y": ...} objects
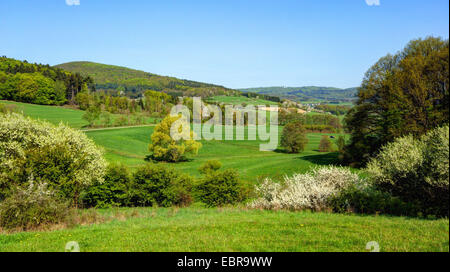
[
  {"x": 133, "y": 82},
  {"x": 39, "y": 83},
  {"x": 310, "y": 93}
]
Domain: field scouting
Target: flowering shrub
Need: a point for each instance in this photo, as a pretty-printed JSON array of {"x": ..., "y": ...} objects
[
  {"x": 416, "y": 170},
  {"x": 304, "y": 191},
  {"x": 63, "y": 157},
  {"x": 31, "y": 207}
]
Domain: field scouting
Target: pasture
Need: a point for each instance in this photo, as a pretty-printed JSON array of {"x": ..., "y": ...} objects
[
  {"x": 244, "y": 156},
  {"x": 234, "y": 230}
]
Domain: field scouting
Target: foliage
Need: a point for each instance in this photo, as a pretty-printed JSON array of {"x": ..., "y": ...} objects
[
  {"x": 134, "y": 83},
  {"x": 325, "y": 144},
  {"x": 113, "y": 192},
  {"x": 219, "y": 188},
  {"x": 210, "y": 166},
  {"x": 307, "y": 93},
  {"x": 159, "y": 185},
  {"x": 63, "y": 157},
  {"x": 416, "y": 170},
  {"x": 304, "y": 191},
  {"x": 293, "y": 138},
  {"x": 38, "y": 83},
  {"x": 165, "y": 148},
  {"x": 91, "y": 115},
  {"x": 366, "y": 199},
  {"x": 407, "y": 93},
  {"x": 31, "y": 207},
  {"x": 334, "y": 109}
]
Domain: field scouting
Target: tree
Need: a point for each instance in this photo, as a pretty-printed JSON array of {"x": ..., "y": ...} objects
[
  {"x": 91, "y": 115},
  {"x": 165, "y": 148},
  {"x": 401, "y": 94},
  {"x": 293, "y": 137},
  {"x": 341, "y": 144},
  {"x": 325, "y": 144}
]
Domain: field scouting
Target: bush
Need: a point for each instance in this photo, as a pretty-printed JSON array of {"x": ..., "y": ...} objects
[
  {"x": 210, "y": 166},
  {"x": 325, "y": 144},
  {"x": 368, "y": 200},
  {"x": 304, "y": 191},
  {"x": 64, "y": 158},
  {"x": 416, "y": 170},
  {"x": 159, "y": 185},
  {"x": 293, "y": 137},
  {"x": 113, "y": 192},
  {"x": 220, "y": 188},
  {"x": 32, "y": 207}
]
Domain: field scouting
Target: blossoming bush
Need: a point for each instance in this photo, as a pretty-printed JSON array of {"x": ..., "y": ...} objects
[
  {"x": 64, "y": 158},
  {"x": 304, "y": 191},
  {"x": 416, "y": 170},
  {"x": 31, "y": 207}
]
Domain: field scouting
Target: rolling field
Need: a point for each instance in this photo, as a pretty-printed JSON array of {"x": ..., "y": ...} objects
[
  {"x": 235, "y": 229},
  {"x": 53, "y": 114},
  {"x": 241, "y": 155},
  {"x": 56, "y": 115}
]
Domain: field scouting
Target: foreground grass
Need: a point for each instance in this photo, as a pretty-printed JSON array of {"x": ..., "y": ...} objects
[{"x": 201, "y": 229}]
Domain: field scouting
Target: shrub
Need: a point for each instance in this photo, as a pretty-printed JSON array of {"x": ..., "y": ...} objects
[
  {"x": 220, "y": 188},
  {"x": 113, "y": 192},
  {"x": 293, "y": 137},
  {"x": 210, "y": 166},
  {"x": 368, "y": 200},
  {"x": 325, "y": 144},
  {"x": 28, "y": 208},
  {"x": 5, "y": 108},
  {"x": 416, "y": 170},
  {"x": 156, "y": 184},
  {"x": 304, "y": 191},
  {"x": 65, "y": 158}
]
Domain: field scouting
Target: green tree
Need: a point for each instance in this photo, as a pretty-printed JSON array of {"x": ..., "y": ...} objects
[
  {"x": 164, "y": 148},
  {"x": 325, "y": 144},
  {"x": 293, "y": 137},
  {"x": 91, "y": 115},
  {"x": 401, "y": 94}
]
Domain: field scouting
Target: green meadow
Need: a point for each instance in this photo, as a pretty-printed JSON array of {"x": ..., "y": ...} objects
[
  {"x": 52, "y": 114},
  {"x": 245, "y": 156},
  {"x": 236, "y": 230}
]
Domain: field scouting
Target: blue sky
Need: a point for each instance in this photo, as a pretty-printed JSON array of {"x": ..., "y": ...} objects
[{"x": 235, "y": 43}]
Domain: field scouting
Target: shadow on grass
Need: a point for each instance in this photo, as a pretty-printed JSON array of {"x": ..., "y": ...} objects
[{"x": 323, "y": 159}]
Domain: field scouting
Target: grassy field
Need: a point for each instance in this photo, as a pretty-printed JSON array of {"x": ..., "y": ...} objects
[
  {"x": 234, "y": 229},
  {"x": 53, "y": 114},
  {"x": 241, "y": 155},
  {"x": 56, "y": 115}
]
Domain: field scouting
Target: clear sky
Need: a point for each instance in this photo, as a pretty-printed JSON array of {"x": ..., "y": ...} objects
[{"x": 235, "y": 43}]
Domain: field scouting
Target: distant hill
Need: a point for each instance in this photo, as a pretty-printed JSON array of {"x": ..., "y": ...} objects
[
  {"x": 309, "y": 93},
  {"x": 134, "y": 82}
]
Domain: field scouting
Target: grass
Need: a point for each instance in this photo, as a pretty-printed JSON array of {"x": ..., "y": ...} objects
[
  {"x": 241, "y": 155},
  {"x": 52, "y": 114},
  {"x": 234, "y": 229},
  {"x": 56, "y": 115}
]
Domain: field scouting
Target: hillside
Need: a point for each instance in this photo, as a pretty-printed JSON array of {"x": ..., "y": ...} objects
[
  {"x": 134, "y": 82},
  {"x": 309, "y": 93}
]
